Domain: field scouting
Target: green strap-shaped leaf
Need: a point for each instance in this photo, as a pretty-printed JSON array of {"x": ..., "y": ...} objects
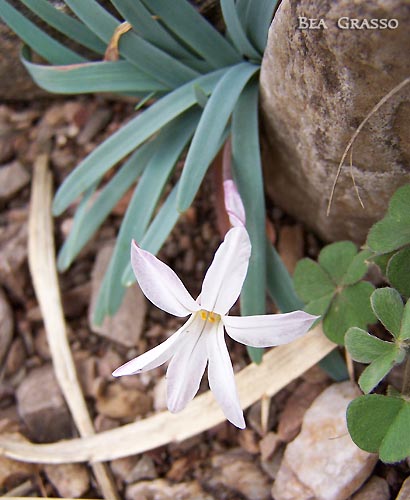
[
  {"x": 247, "y": 172},
  {"x": 157, "y": 232},
  {"x": 279, "y": 283},
  {"x": 151, "y": 29},
  {"x": 77, "y": 230},
  {"x": 210, "y": 129},
  {"x": 119, "y": 76},
  {"x": 65, "y": 24},
  {"x": 169, "y": 146},
  {"x": 242, "y": 7},
  {"x": 107, "y": 199},
  {"x": 258, "y": 19},
  {"x": 52, "y": 51},
  {"x": 236, "y": 31},
  {"x": 188, "y": 25},
  {"x": 153, "y": 61},
  {"x": 364, "y": 347},
  {"x": 388, "y": 307},
  {"x": 128, "y": 138}
]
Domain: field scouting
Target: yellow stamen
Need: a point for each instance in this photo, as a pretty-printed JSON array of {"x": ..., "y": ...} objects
[{"x": 208, "y": 316}]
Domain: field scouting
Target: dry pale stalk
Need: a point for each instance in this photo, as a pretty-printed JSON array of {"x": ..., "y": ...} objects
[
  {"x": 44, "y": 275},
  {"x": 280, "y": 366}
]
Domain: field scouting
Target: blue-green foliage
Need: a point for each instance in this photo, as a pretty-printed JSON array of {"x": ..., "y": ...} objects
[{"x": 200, "y": 78}]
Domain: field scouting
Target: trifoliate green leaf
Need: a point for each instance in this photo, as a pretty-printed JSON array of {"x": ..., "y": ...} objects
[
  {"x": 393, "y": 231},
  {"x": 380, "y": 424},
  {"x": 388, "y": 307},
  {"x": 398, "y": 271},
  {"x": 357, "y": 268},
  {"x": 382, "y": 261},
  {"x": 364, "y": 347},
  {"x": 311, "y": 281},
  {"x": 320, "y": 306},
  {"x": 380, "y": 367},
  {"x": 336, "y": 258},
  {"x": 405, "y": 323},
  {"x": 350, "y": 307}
]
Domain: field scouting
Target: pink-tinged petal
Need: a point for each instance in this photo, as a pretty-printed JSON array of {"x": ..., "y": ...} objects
[
  {"x": 224, "y": 279},
  {"x": 221, "y": 377},
  {"x": 233, "y": 204},
  {"x": 160, "y": 284},
  {"x": 187, "y": 366},
  {"x": 156, "y": 356},
  {"x": 270, "y": 329}
]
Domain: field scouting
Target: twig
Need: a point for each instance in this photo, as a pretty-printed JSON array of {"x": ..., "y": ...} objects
[
  {"x": 279, "y": 367},
  {"x": 353, "y": 179},
  {"x": 43, "y": 270},
  {"x": 357, "y": 132},
  {"x": 22, "y": 489}
]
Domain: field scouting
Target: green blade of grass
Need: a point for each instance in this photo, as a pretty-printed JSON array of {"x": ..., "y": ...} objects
[
  {"x": 45, "y": 46},
  {"x": 206, "y": 141},
  {"x": 153, "y": 61},
  {"x": 236, "y": 31},
  {"x": 258, "y": 19},
  {"x": 119, "y": 76},
  {"x": 128, "y": 138},
  {"x": 169, "y": 146},
  {"x": 279, "y": 283},
  {"x": 147, "y": 26},
  {"x": 157, "y": 232},
  {"x": 188, "y": 25},
  {"x": 65, "y": 24},
  {"x": 97, "y": 212},
  {"x": 247, "y": 173}
]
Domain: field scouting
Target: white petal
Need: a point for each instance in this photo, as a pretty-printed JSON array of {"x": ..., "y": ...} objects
[
  {"x": 270, "y": 329},
  {"x": 221, "y": 377},
  {"x": 233, "y": 204},
  {"x": 156, "y": 356},
  {"x": 160, "y": 284},
  {"x": 187, "y": 366},
  {"x": 224, "y": 279}
]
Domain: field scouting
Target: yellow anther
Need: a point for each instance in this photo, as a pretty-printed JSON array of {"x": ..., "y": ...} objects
[{"x": 208, "y": 316}]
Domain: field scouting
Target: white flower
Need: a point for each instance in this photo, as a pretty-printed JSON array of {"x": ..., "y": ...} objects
[{"x": 200, "y": 341}]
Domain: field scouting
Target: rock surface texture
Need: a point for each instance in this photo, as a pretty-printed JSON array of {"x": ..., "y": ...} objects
[
  {"x": 317, "y": 85},
  {"x": 323, "y": 463}
]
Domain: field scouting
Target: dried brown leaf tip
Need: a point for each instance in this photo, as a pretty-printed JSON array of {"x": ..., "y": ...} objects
[{"x": 111, "y": 53}]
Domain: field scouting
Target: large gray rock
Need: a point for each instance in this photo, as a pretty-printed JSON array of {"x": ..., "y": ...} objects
[{"x": 317, "y": 85}]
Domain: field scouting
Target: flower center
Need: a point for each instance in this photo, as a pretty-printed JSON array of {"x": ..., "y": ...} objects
[{"x": 209, "y": 316}]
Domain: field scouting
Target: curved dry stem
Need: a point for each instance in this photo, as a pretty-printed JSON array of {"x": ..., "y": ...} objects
[
  {"x": 43, "y": 271},
  {"x": 355, "y": 135},
  {"x": 279, "y": 367}
]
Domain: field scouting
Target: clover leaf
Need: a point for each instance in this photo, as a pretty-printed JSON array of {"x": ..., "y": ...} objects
[
  {"x": 331, "y": 288},
  {"x": 382, "y": 356},
  {"x": 398, "y": 271},
  {"x": 393, "y": 231},
  {"x": 380, "y": 424}
]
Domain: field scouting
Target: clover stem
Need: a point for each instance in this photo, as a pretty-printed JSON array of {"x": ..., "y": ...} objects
[{"x": 406, "y": 380}]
